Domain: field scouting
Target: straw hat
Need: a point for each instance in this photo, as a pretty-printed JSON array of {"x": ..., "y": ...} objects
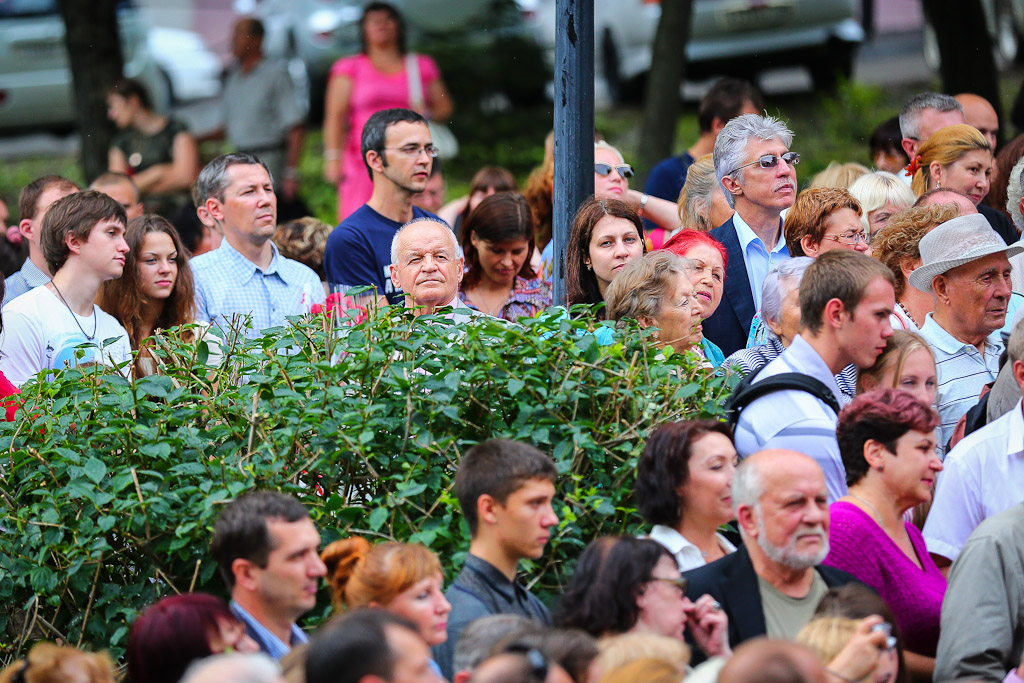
[{"x": 954, "y": 243}]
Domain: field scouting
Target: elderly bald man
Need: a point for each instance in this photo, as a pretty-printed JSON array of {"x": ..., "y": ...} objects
[
  {"x": 772, "y": 585},
  {"x": 982, "y": 115},
  {"x": 426, "y": 265}
]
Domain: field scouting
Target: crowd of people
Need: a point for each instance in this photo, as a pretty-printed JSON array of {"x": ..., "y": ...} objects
[{"x": 855, "y": 517}]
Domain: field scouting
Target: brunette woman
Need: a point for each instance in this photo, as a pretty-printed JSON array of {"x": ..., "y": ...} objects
[
  {"x": 497, "y": 241},
  {"x": 156, "y": 290}
]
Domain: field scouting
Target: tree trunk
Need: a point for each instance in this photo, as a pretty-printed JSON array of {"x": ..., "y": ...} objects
[
  {"x": 94, "y": 53},
  {"x": 965, "y": 49},
  {"x": 662, "y": 100}
]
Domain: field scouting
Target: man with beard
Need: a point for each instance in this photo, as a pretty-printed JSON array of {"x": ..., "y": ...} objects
[
  {"x": 398, "y": 153},
  {"x": 772, "y": 585}
]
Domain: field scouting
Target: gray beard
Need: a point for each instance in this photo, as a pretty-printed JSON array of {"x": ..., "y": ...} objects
[{"x": 788, "y": 555}]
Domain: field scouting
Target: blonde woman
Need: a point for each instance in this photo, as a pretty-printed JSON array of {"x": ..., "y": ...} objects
[
  {"x": 881, "y": 195},
  {"x": 838, "y": 175},
  {"x": 959, "y": 158},
  {"x": 828, "y": 637}
]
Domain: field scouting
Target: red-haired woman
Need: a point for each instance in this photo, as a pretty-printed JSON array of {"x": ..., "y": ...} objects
[
  {"x": 156, "y": 290},
  {"x": 178, "y": 630},
  {"x": 710, "y": 261},
  {"x": 497, "y": 241},
  {"x": 404, "y": 578},
  {"x": 887, "y": 442}
]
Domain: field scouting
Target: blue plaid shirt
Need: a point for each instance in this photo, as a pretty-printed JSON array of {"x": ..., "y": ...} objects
[{"x": 228, "y": 283}]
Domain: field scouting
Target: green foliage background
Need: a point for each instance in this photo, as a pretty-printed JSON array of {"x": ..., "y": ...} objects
[{"x": 109, "y": 487}]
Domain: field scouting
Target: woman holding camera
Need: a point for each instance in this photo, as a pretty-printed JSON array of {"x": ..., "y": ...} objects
[{"x": 887, "y": 442}]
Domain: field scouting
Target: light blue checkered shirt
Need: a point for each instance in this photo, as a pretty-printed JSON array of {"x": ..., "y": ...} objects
[
  {"x": 962, "y": 373},
  {"x": 228, "y": 283},
  {"x": 29, "y": 277}
]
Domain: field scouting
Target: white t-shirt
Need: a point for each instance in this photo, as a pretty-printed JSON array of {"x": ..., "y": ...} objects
[{"x": 40, "y": 332}]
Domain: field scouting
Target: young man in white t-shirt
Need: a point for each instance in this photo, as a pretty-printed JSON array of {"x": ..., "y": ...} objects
[{"x": 82, "y": 240}]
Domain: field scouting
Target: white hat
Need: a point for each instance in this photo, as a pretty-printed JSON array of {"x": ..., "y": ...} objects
[{"x": 954, "y": 243}]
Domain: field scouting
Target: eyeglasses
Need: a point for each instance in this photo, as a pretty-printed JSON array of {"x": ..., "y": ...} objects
[
  {"x": 535, "y": 658},
  {"x": 416, "y": 150},
  {"x": 681, "y": 583},
  {"x": 624, "y": 170},
  {"x": 771, "y": 161},
  {"x": 848, "y": 238}
]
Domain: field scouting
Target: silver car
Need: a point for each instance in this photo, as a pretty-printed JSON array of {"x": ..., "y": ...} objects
[{"x": 734, "y": 37}]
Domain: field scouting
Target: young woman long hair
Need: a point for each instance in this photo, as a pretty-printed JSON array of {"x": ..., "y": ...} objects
[{"x": 126, "y": 298}]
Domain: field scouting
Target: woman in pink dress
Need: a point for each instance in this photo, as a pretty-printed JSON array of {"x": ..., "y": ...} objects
[{"x": 376, "y": 78}]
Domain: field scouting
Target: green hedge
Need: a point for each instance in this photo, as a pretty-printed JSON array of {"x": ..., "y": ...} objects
[{"x": 110, "y": 487}]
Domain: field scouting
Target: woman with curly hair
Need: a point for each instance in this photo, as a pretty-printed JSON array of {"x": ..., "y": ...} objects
[
  {"x": 898, "y": 247},
  {"x": 155, "y": 292},
  {"x": 403, "y": 578},
  {"x": 49, "y": 663}
]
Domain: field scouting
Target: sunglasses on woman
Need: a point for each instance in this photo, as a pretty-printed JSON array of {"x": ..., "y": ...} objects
[{"x": 624, "y": 170}]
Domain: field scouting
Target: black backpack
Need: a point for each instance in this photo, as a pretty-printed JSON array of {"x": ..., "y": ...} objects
[{"x": 746, "y": 392}]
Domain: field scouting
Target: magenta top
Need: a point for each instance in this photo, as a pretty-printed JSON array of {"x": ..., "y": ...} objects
[{"x": 859, "y": 546}]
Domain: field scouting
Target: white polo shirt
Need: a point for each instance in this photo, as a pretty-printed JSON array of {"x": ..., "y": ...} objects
[{"x": 983, "y": 475}]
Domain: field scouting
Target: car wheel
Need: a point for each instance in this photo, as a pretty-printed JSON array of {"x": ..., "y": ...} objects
[
  {"x": 932, "y": 56},
  {"x": 833, "y": 65},
  {"x": 1006, "y": 41}
]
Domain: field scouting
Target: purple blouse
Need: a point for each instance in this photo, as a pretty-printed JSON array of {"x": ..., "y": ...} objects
[{"x": 859, "y": 546}]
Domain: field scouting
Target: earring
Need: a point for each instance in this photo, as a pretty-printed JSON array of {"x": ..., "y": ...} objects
[
  {"x": 588, "y": 267},
  {"x": 938, "y": 184}
]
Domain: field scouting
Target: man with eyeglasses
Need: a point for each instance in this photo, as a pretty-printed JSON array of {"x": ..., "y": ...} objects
[
  {"x": 966, "y": 268},
  {"x": 823, "y": 219},
  {"x": 755, "y": 167},
  {"x": 398, "y": 154}
]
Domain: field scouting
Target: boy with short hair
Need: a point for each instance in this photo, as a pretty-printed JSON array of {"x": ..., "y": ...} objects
[
  {"x": 505, "y": 489},
  {"x": 82, "y": 240}
]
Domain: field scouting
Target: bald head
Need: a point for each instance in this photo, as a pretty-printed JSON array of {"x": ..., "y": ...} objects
[
  {"x": 425, "y": 264},
  {"x": 981, "y": 114},
  {"x": 772, "y": 661},
  {"x": 943, "y": 195},
  {"x": 764, "y": 471}
]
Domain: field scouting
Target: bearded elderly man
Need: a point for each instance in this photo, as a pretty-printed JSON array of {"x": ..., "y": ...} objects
[
  {"x": 965, "y": 267},
  {"x": 426, "y": 266},
  {"x": 772, "y": 585},
  {"x": 756, "y": 170}
]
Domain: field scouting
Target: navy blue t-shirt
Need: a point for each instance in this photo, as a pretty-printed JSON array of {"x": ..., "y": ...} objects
[
  {"x": 358, "y": 251},
  {"x": 666, "y": 179}
]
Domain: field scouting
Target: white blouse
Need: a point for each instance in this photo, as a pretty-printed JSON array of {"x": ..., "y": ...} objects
[{"x": 688, "y": 556}]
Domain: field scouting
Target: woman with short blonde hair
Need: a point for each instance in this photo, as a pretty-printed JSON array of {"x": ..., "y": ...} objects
[
  {"x": 880, "y": 195},
  {"x": 702, "y": 203}
]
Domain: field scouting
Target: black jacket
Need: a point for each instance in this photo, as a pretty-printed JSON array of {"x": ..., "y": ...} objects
[{"x": 732, "y": 582}]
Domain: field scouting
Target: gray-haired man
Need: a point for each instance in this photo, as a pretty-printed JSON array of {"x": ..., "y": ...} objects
[
  {"x": 756, "y": 169},
  {"x": 922, "y": 115}
]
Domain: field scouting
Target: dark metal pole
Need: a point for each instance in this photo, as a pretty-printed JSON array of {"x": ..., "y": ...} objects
[{"x": 574, "y": 124}]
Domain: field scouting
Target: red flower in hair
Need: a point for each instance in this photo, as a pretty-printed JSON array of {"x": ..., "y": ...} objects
[{"x": 915, "y": 165}]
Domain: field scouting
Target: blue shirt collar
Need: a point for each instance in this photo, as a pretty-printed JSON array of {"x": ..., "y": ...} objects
[
  {"x": 746, "y": 234},
  {"x": 244, "y": 265},
  {"x": 272, "y": 644}
]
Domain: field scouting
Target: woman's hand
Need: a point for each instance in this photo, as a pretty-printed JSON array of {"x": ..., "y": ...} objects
[
  {"x": 709, "y": 626},
  {"x": 859, "y": 656},
  {"x": 332, "y": 167}
]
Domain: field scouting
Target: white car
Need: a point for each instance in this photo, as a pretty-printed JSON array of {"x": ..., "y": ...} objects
[
  {"x": 191, "y": 70},
  {"x": 727, "y": 37}
]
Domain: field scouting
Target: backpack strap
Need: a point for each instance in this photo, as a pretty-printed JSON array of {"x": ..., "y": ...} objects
[{"x": 746, "y": 393}]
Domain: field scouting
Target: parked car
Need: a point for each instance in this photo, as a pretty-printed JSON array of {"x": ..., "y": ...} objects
[
  {"x": 727, "y": 37},
  {"x": 1005, "y": 22},
  {"x": 35, "y": 78}
]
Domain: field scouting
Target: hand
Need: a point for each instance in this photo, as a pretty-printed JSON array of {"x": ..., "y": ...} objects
[
  {"x": 332, "y": 171},
  {"x": 859, "y": 656},
  {"x": 709, "y": 626}
]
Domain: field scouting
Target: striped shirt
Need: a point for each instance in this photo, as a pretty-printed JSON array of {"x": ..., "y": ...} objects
[
  {"x": 228, "y": 285},
  {"x": 796, "y": 420},
  {"x": 962, "y": 373}
]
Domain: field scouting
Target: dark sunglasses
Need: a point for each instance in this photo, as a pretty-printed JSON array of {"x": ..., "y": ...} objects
[
  {"x": 624, "y": 170},
  {"x": 771, "y": 161},
  {"x": 538, "y": 663}
]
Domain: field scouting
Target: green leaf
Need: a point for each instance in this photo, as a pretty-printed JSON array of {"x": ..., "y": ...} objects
[
  {"x": 378, "y": 517},
  {"x": 94, "y": 469}
]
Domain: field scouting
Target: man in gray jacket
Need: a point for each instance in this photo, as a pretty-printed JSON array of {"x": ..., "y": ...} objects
[{"x": 983, "y": 611}]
